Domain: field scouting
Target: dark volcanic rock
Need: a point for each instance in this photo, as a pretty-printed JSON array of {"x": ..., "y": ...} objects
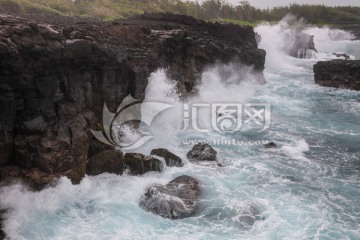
[
  {"x": 139, "y": 164},
  {"x": 57, "y": 72},
  {"x": 38, "y": 179},
  {"x": 111, "y": 161},
  {"x": 25, "y": 150},
  {"x": 10, "y": 173},
  {"x": 270, "y": 145},
  {"x": 343, "y": 55},
  {"x": 33, "y": 178},
  {"x": 171, "y": 159},
  {"x": 202, "y": 152},
  {"x": 338, "y": 73},
  {"x": 2, "y": 233},
  {"x": 6, "y": 147},
  {"x": 177, "y": 199}
]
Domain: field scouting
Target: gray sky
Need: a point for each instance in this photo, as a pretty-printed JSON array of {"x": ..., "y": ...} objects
[{"x": 272, "y": 3}]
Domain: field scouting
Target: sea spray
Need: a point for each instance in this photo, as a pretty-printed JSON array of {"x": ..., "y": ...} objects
[{"x": 313, "y": 199}]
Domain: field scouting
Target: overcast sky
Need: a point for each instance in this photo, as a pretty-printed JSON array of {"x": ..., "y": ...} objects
[{"x": 272, "y": 3}]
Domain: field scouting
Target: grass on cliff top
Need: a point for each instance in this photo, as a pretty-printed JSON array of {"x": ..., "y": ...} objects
[
  {"x": 210, "y": 10},
  {"x": 243, "y": 23},
  {"x": 25, "y": 7},
  {"x": 102, "y": 9}
]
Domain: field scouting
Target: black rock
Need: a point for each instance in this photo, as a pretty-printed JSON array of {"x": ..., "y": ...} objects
[
  {"x": 202, "y": 152},
  {"x": 338, "y": 74},
  {"x": 139, "y": 164},
  {"x": 177, "y": 199},
  {"x": 36, "y": 125},
  {"x": 111, "y": 161},
  {"x": 171, "y": 159},
  {"x": 270, "y": 145},
  {"x": 10, "y": 173},
  {"x": 345, "y": 56},
  {"x": 2, "y": 233}
]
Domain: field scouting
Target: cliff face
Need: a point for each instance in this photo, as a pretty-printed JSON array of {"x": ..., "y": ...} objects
[
  {"x": 56, "y": 74},
  {"x": 338, "y": 73}
]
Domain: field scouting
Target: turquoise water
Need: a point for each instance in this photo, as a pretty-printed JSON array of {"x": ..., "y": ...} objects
[{"x": 308, "y": 188}]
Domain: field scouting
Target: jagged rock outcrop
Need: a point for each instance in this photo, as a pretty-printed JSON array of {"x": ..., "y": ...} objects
[
  {"x": 338, "y": 74},
  {"x": 202, "y": 152},
  {"x": 57, "y": 72},
  {"x": 177, "y": 199}
]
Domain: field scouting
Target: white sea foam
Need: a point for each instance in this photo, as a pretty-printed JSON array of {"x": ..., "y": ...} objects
[{"x": 301, "y": 189}]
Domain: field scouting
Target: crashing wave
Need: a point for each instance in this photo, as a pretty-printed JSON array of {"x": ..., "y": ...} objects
[{"x": 306, "y": 53}]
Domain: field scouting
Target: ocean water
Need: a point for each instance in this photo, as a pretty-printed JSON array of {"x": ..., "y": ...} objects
[{"x": 307, "y": 188}]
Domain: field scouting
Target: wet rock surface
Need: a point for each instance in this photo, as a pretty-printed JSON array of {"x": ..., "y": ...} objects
[
  {"x": 342, "y": 55},
  {"x": 177, "y": 199},
  {"x": 2, "y": 234},
  {"x": 10, "y": 173},
  {"x": 57, "y": 72},
  {"x": 111, "y": 161},
  {"x": 171, "y": 159},
  {"x": 338, "y": 74},
  {"x": 271, "y": 145},
  {"x": 202, "y": 152},
  {"x": 139, "y": 164},
  {"x": 248, "y": 215}
]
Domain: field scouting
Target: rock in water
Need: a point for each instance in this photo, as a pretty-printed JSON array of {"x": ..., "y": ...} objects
[
  {"x": 171, "y": 159},
  {"x": 177, "y": 199},
  {"x": 248, "y": 215},
  {"x": 338, "y": 73},
  {"x": 2, "y": 233},
  {"x": 139, "y": 164},
  {"x": 202, "y": 152},
  {"x": 111, "y": 161},
  {"x": 342, "y": 55},
  {"x": 270, "y": 145}
]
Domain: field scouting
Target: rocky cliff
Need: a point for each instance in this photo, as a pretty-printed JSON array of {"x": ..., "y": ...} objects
[
  {"x": 338, "y": 73},
  {"x": 56, "y": 73}
]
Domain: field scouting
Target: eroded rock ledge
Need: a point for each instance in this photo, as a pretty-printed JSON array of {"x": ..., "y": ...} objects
[
  {"x": 338, "y": 73},
  {"x": 57, "y": 72}
]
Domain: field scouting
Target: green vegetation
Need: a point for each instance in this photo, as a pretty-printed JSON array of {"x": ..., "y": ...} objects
[{"x": 214, "y": 10}]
